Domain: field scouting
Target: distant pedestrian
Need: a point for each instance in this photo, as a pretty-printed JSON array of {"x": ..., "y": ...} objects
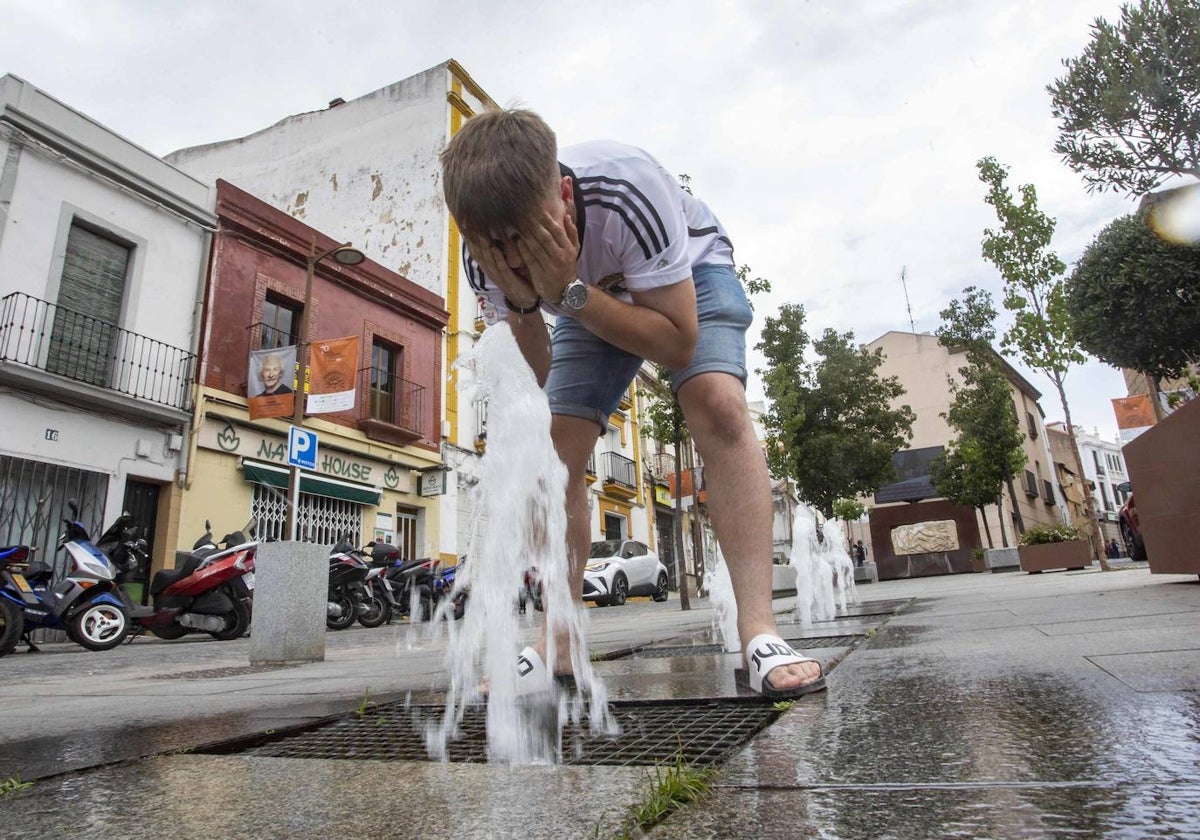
[
  {"x": 860, "y": 554},
  {"x": 1114, "y": 550}
]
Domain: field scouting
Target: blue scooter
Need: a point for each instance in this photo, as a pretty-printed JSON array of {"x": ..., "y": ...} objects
[{"x": 83, "y": 602}]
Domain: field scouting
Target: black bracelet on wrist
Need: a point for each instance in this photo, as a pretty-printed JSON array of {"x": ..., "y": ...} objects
[{"x": 533, "y": 307}]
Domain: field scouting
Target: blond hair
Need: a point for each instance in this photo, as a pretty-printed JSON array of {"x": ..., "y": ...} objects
[{"x": 498, "y": 170}]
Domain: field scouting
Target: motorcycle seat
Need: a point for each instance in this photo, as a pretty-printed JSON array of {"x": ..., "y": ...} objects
[{"x": 166, "y": 577}]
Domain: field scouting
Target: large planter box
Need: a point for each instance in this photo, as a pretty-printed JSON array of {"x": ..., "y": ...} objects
[
  {"x": 1072, "y": 554},
  {"x": 1164, "y": 470}
]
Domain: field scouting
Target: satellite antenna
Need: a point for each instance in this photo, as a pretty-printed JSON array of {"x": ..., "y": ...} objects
[{"x": 907, "y": 302}]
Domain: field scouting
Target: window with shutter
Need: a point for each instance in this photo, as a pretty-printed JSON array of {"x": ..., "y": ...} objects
[{"x": 89, "y": 307}]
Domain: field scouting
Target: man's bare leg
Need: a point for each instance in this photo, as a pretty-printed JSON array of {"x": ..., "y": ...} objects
[
  {"x": 739, "y": 501},
  {"x": 574, "y": 439}
]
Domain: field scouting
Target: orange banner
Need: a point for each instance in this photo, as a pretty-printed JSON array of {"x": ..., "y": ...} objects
[
  {"x": 1134, "y": 415},
  {"x": 334, "y": 367}
]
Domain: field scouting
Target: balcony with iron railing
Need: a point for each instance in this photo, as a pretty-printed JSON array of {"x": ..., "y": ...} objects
[
  {"x": 36, "y": 335},
  {"x": 619, "y": 475},
  {"x": 393, "y": 410},
  {"x": 662, "y": 465}
]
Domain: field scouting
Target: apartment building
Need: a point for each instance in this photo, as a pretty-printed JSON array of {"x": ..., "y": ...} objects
[
  {"x": 103, "y": 248},
  {"x": 925, "y": 369}
]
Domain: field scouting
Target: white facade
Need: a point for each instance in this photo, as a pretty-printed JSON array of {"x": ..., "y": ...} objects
[
  {"x": 103, "y": 392},
  {"x": 1104, "y": 467}
]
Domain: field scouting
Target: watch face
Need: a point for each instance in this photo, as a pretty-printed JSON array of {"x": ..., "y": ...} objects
[{"x": 575, "y": 296}]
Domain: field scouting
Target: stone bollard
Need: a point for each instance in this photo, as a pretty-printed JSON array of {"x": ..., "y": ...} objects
[{"x": 291, "y": 590}]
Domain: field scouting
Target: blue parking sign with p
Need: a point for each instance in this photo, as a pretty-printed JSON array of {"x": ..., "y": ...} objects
[{"x": 302, "y": 448}]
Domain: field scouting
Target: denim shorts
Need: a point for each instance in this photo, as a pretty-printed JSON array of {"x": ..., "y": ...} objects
[{"x": 588, "y": 376}]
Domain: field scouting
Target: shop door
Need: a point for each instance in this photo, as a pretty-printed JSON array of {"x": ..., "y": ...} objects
[{"x": 141, "y": 502}]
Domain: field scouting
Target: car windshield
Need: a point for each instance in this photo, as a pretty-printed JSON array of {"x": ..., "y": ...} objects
[{"x": 605, "y": 548}]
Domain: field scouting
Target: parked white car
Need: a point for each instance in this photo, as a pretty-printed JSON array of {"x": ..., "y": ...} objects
[{"x": 617, "y": 569}]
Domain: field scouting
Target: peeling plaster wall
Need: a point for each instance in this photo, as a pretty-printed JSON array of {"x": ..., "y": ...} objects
[{"x": 365, "y": 171}]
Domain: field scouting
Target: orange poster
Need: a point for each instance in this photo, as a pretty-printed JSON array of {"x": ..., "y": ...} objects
[
  {"x": 269, "y": 382},
  {"x": 1134, "y": 415},
  {"x": 334, "y": 368}
]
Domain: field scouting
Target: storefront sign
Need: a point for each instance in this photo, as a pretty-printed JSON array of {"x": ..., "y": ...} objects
[
  {"x": 432, "y": 483},
  {"x": 225, "y": 436}
]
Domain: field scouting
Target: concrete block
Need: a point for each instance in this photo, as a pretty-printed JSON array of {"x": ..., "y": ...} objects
[
  {"x": 1002, "y": 559},
  {"x": 783, "y": 580},
  {"x": 866, "y": 573},
  {"x": 290, "y": 596}
]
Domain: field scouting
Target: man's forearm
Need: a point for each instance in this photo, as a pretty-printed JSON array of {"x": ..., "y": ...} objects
[
  {"x": 642, "y": 329},
  {"x": 533, "y": 339}
]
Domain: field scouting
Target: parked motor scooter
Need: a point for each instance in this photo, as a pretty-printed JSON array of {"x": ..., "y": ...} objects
[
  {"x": 347, "y": 587},
  {"x": 444, "y": 587},
  {"x": 210, "y": 591},
  {"x": 83, "y": 601},
  {"x": 412, "y": 582}
]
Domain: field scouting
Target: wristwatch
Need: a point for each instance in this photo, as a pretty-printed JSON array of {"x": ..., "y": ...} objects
[{"x": 575, "y": 296}]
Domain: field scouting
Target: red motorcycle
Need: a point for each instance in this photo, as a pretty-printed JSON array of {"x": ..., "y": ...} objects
[{"x": 210, "y": 590}]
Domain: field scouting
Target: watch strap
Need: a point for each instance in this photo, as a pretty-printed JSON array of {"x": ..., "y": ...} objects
[{"x": 523, "y": 310}]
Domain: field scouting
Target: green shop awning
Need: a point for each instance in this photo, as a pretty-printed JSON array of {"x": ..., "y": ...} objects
[{"x": 317, "y": 485}]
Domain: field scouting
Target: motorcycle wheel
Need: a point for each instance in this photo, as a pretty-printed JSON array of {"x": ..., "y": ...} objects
[
  {"x": 236, "y": 623},
  {"x": 343, "y": 600},
  {"x": 99, "y": 627},
  {"x": 13, "y": 619},
  {"x": 169, "y": 632},
  {"x": 377, "y": 611}
]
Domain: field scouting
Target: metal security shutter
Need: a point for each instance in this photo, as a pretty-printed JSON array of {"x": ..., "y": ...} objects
[
  {"x": 33, "y": 504},
  {"x": 89, "y": 307}
]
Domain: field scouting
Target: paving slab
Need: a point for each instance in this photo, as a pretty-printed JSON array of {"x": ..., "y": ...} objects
[
  {"x": 291, "y": 799},
  {"x": 987, "y": 706}
]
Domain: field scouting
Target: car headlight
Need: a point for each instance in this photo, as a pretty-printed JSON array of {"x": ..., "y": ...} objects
[{"x": 597, "y": 567}]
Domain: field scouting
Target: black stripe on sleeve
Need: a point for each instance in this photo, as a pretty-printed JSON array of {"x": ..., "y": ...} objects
[
  {"x": 702, "y": 231},
  {"x": 657, "y": 245},
  {"x": 620, "y": 211},
  {"x": 662, "y": 229}
]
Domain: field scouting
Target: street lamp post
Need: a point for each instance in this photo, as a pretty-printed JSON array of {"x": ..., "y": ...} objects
[{"x": 344, "y": 254}]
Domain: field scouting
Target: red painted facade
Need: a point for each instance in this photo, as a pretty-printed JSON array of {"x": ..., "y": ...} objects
[{"x": 259, "y": 250}]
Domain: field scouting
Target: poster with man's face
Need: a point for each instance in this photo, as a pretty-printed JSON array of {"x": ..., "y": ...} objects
[{"x": 269, "y": 382}]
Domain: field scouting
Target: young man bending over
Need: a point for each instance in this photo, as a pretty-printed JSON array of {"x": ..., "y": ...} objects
[{"x": 635, "y": 268}]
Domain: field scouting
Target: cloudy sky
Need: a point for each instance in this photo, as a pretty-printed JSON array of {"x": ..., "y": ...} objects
[{"x": 836, "y": 139}]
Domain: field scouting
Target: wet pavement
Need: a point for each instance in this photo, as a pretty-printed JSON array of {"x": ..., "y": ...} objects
[{"x": 997, "y": 705}]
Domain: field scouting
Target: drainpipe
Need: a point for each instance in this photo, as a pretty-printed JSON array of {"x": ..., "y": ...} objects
[{"x": 201, "y": 328}]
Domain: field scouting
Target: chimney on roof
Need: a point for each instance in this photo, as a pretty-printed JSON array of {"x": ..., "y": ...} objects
[{"x": 333, "y": 103}]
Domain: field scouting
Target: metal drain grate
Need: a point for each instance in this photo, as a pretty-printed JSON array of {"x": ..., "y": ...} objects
[
  {"x": 236, "y": 671},
  {"x": 651, "y": 733},
  {"x": 709, "y": 650}
]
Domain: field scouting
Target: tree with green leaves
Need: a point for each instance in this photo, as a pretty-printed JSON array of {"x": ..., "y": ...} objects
[
  {"x": 1134, "y": 301},
  {"x": 848, "y": 510},
  {"x": 832, "y": 425},
  {"x": 987, "y": 450},
  {"x": 1129, "y": 106},
  {"x": 1034, "y": 293}
]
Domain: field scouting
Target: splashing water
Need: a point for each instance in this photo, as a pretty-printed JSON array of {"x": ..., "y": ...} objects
[
  {"x": 720, "y": 596},
  {"x": 519, "y": 521},
  {"x": 824, "y": 570}
]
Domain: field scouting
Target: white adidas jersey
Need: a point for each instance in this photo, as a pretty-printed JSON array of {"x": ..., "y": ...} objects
[{"x": 639, "y": 229}]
